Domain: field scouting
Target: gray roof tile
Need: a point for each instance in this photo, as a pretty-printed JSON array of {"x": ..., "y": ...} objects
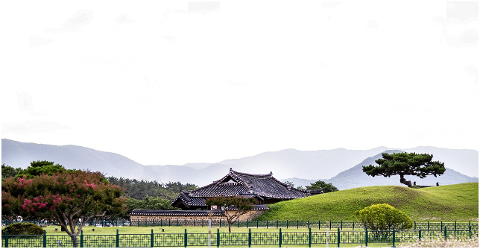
[{"x": 242, "y": 184}]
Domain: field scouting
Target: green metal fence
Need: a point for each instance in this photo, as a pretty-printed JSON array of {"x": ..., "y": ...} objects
[
  {"x": 284, "y": 224},
  {"x": 335, "y": 237}
]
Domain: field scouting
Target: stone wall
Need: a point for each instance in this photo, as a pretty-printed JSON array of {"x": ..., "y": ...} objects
[{"x": 187, "y": 220}]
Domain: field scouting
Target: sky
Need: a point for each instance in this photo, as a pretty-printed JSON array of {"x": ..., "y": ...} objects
[{"x": 175, "y": 82}]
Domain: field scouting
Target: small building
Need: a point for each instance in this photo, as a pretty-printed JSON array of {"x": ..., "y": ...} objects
[{"x": 264, "y": 188}]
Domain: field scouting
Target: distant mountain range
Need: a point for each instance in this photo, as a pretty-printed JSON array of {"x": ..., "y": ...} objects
[
  {"x": 341, "y": 167},
  {"x": 355, "y": 177}
]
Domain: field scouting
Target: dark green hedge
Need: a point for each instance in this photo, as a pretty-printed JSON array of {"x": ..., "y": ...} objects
[{"x": 23, "y": 229}]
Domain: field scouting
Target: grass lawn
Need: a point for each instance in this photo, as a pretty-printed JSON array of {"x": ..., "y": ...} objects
[{"x": 458, "y": 202}]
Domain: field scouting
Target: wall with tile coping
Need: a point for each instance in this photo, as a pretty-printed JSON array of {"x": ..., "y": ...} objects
[{"x": 189, "y": 220}]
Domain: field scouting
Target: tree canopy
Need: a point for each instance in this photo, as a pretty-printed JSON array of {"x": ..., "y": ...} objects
[
  {"x": 37, "y": 168},
  {"x": 9, "y": 171},
  {"x": 403, "y": 164},
  {"x": 326, "y": 187},
  {"x": 155, "y": 203},
  {"x": 140, "y": 189},
  {"x": 70, "y": 198}
]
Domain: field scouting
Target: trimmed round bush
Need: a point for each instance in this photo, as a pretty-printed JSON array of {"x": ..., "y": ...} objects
[
  {"x": 384, "y": 217},
  {"x": 23, "y": 229}
]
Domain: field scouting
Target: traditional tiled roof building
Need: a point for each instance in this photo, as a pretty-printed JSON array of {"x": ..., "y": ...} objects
[{"x": 264, "y": 188}]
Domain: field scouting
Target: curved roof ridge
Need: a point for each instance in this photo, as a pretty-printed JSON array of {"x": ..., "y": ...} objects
[
  {"x": 208, "y": 185},
  {"x": 248, "y": 174},
  {"x": 235, "y": 175},
  {"x": 220, "y": 180}
]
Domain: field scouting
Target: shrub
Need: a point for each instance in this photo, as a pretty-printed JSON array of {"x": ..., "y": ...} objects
[
  {"x": 23, "y": 229},
  {"x": 384, "y": 217}
]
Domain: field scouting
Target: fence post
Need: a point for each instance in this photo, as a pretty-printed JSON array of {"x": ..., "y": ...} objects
[
  {"x": 366, "y": 237},
  {"x": 330, "y": 224},
  {"x": 419, "y": 233},
  {"x": 185, "y": 238},
  {"x": 393, "y": 237},
  {"x": 44, "y": 238},
  {"x": 218, "y": 237},
  {"x": 117, "y": 240},
  {"x": 297, "y": 224},
  {"x": 469, "y": 231},
  {"x": 414, "y": 225},
  {"x": 81, "y": 238},
  {"x": 441, "y": 225},
  {"x": 319, "y": 225},
  {"x": 445, "y": 233},
  {"x": 152, "y": 240},
  {"x": 338, "y": 237},
  {"x": 280, "y": 237},
  {"x": 6, "y": 237},
  {"x": 309, "y": 237},
  {"x": 428, "y": 225},
  {"x": 250, "y": 237},
  {"x": 287, "y": 224}
]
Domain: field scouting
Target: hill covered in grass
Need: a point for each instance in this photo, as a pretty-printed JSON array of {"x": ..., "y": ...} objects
[{"x": 447, "y": 203}]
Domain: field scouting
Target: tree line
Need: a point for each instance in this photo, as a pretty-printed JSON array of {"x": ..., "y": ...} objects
[
  {"x": 139, "y": 189},
  {"x": 149, "y": 194}
]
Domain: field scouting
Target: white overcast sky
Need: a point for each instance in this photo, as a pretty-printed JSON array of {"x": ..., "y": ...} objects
[{"x": 173, "y": 82}]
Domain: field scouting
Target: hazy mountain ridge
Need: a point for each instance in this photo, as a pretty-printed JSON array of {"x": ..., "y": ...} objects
[
  {"x": 355, "y": 177},
  {"x": 337, "y": 165},
  {"x": 19, "y": 154},
  {"x": 302, "y": 164}
]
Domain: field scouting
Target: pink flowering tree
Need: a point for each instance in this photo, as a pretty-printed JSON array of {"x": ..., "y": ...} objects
[{"x": 71, "y": 199}]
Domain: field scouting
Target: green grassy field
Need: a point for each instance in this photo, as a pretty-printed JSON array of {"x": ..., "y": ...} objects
[{"x": 458, "y": 202}]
